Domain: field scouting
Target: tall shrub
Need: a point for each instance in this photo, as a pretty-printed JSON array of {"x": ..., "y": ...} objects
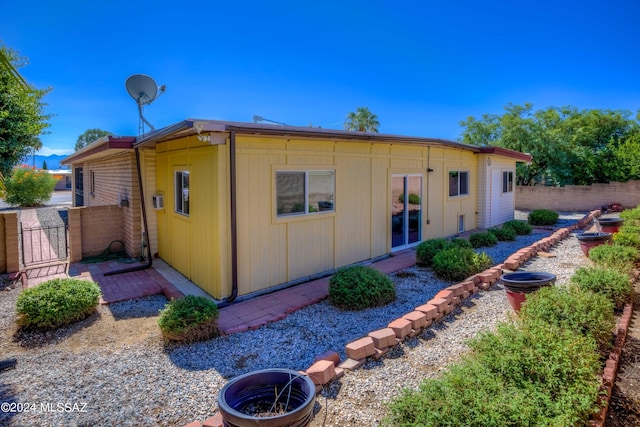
[{"x": 28, "y": 187}]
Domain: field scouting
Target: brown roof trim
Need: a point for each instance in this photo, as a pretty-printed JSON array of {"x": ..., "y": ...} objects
[
  {"x": 100, "y": 146},
  {"x": 499, "y": 151}
]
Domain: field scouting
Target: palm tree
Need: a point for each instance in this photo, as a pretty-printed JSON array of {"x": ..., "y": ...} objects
[{"x": 362, "y": 120}]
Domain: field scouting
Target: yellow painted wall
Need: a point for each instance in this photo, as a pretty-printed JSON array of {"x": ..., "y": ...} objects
[{"x": 273, "y": 250}]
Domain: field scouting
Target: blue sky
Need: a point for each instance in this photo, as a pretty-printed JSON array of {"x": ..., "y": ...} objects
[{"x": 421, "y": 66}]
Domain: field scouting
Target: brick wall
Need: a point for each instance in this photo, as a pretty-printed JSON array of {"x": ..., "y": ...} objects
[
  {"x": 107, "y": 182},
  {"x": 578, "y": 197},
  {"x": 9, "y": 250},
  {"x": 98, "y": 227}
]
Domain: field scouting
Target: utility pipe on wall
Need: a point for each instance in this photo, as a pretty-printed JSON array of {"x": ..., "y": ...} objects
[{"x": 234, "y": 225}]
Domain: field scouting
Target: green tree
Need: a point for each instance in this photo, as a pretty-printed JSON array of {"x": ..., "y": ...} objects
[
  {"x": 44, "y": 165},
  {"x": 28, "y": 187},
  {"x": 362, "y": 120},
  {"x": 22, "y": 118},
  {"x": 89, "y": 136},
  {"x": 568, "y": 146}
]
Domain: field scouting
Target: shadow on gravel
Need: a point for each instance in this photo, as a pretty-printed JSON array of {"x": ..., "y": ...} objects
[
  {"x": 7, "y": 397},
  {"x": 29, "y": 338},
  {"x": 137, "y": 308}
]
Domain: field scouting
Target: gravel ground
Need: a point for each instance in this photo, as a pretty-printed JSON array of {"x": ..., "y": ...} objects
[{"x": 148, "y": 383}]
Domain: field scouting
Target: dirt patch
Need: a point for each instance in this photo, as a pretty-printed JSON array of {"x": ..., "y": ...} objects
[{"x": 624, "y": 406}]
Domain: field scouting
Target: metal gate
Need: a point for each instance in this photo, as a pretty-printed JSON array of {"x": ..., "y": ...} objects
[{"x": 44, "y": 245}]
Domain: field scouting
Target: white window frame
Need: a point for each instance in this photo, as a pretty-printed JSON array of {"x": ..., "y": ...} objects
[
  {"x": 458, "y": 193},
  {"x": 507, "y": 181},
  {"x": 180, "y": 195},
  {"x": 308, "y": 208}
]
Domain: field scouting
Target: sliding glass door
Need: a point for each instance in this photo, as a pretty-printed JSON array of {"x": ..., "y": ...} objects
[{"x": 406, "y": 210}]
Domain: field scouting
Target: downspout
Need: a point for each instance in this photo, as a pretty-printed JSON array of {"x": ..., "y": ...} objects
[
  {"x": 234, "y": 225},
  {"x": 429, "y": 170},
  {"x": 144, "y": 224}
]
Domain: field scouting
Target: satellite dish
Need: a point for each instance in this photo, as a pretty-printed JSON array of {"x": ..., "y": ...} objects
[{"x": 144, "y": 90}]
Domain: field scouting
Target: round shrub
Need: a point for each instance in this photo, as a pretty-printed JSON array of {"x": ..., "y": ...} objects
[
  {"x": 613, "y": 284},
  {"x": 56, "y": 303},
  {"x": 572, "y": 309},
  {"x": 426, "y": 250},
  {"x": 189, "y": 319},
  {"x": 504, "y": 234},
  {"x": 631, "y": 214},
  {"x": 542, "y": 217},
  {"x": 461, "y": 243},
  {"x": 614, "y": 256},
  {"x": 522, "y": 228},
  {"x": 479, "y": 240},
  {"x": 359, "y": 287},
  {"x": 455, "y": 263}
]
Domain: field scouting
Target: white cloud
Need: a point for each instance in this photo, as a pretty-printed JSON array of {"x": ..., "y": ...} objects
[{"x": 46, "y": 151}]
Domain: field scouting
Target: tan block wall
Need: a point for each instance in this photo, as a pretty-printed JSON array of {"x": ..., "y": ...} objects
[
  {"x": 9, "y": 249},
  {"x": 578, "y": 197},
  {"x": 92, "y": 229},
  {"x": 106, "y": 182}
]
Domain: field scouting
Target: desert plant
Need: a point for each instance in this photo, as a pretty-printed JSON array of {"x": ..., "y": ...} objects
[
  {"x": 56, "y": 303},
  {"x": 614, "y": 256},
  {"x": 479, "y": 240},
  {"x": 189, "y": 319},
  {"x": 503, "y": 234},
  {"x": 522, "y": 228},
  {"x": 28, "y": 187},
  {"x": 611, "y": 283},
  {"x": 572, "y": 309},
  {"x": 517, "y": 376},
  {"x": 426, "y": 250},
  {"x": 543, "y": 217},
  {"x": 456, "y": 263},
  {"x": 627, "y": 238},
  {"x": 359, "y": 287}
]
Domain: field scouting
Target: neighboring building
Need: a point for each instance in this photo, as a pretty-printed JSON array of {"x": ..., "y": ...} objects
[
  {"x": 243, "y": 207},
  {"x": 64, "y": 179}
]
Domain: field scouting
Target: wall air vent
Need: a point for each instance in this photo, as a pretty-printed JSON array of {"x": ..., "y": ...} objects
[{"x": 158, "y": 202}]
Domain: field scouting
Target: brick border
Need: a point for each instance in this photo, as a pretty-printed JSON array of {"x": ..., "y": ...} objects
[{"x": 327, "y": 366}]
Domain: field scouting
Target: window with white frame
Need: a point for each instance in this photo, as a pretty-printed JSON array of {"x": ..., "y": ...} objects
[
  {"x": 507, "y": 181},
  {"x": 304, "y": 192},
  {"x": 182, "y": 192},
  {"x": 458, "y": 183}
]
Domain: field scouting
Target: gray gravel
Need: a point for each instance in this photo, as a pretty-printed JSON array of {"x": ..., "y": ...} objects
[{"x": 148, "y": 383}]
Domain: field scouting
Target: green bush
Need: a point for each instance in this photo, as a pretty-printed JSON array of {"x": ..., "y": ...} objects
[
  {"x": 426, "y": 250},
  {"x": 543, "y": 217},
  {"x": 456, "y": 263},
  {"x": 56, "y": 303},
  {"x": 189, "y": 319},
  {"x": 504, "y": 234},
  {"x": 631, "y": 214},
  {"x": 614, "y": 256},
  {"x": 28, "y": 187},
  {"x": 522, "y": 228},
  {"x": 626, "y": 238},
  {"x": 479, "y": 240},
  {"x": 613, "y": 284},
  {"x": 414, "y": 199},
  {"x": 517, "y": 376},
  {"x": 359, "y": 287},
  {"x": 572, "y": 309},
  {"x": 629, "y": 228},
  {"x": 461, "y": 243}
]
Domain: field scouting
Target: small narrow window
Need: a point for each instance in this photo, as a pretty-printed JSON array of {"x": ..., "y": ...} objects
[
  {"x": 93, "y": 183},
  {"x": 182, "y": 192},
  {"x": 507, "y": 182},
  {"x": 460, "y": 223},
  {"x": 458, "y": 183},
  {"x": 304, "y": 192}
]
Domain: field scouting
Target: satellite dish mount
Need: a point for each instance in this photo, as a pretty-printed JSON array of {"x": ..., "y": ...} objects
[{"x": 144, "y": 90}]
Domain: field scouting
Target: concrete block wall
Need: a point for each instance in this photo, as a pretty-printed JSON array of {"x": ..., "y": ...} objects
[
  {"x": 578, "y": 197},
  {"x": 93, "y": 229},
  {"x": 109, "y": 180}
]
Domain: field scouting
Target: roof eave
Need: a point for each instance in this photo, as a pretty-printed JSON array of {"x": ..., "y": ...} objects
[{"x": 100, "y": 147}]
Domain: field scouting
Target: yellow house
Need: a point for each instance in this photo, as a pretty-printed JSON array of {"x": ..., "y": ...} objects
[{"x": 242, "y": 208}]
